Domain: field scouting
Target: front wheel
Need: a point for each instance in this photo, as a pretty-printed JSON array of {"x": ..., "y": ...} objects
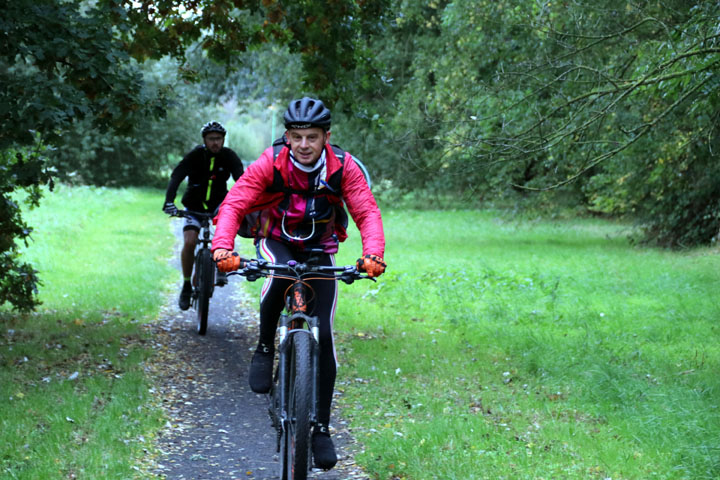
[
  {"x": 205, "y": 271},
  {"x": 295, "y": 457}
]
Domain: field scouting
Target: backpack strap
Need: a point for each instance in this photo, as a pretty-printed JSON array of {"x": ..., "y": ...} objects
[
  {"x": 278, "y": 145},
  {"x": 278, "y": 184},
  {"x": 339, "y": 153},
  {"x": 334, "y": 183}
]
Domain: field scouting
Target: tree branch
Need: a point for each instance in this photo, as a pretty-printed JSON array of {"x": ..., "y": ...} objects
[{"x": 645, "y": 129}]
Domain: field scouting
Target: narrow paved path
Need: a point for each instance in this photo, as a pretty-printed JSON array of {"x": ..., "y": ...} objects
[{"x": 218, "y": 428}]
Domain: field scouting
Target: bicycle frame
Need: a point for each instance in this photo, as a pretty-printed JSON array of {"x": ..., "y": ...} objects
[{"x": 204, "y": 240}]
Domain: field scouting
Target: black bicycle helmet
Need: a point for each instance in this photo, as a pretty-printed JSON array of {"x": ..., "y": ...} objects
[
  {"x": 306, "y": 113},
  {"x": 213, "y": 127}
]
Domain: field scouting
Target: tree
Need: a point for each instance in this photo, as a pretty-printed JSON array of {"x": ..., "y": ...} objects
[
  {"x": 621, "y": 101},
  {"x": 59, "y": 62},
  {"x": 69, "y": 67},
  {"x": 19, "y": 170},
  {"x": 325, "y": 34},
  {"x": 85, "y": 154},
  {"x": 612, "y": 105}
]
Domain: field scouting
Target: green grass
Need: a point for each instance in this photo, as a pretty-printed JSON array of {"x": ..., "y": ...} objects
[
  {"x": 500, "y": 349},
  {"x": 75, "y": 399},
  {"x": 491, "y": 349},
  {"x": 98, "y": 247}
]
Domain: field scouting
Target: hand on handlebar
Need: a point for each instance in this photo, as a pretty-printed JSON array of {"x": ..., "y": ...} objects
[
  {"x": 170, "y": 208},
  {"x": 373, "y": 265},
  {"x": 226, "y": 261}
]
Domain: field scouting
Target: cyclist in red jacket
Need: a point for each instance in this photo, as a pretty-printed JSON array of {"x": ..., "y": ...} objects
[{"x": 300, "y": 188}]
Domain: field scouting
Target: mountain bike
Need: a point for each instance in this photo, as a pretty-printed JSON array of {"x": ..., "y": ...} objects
[
  {"x": 203, "y": 280},
  {"x": 293, "y": 397}
]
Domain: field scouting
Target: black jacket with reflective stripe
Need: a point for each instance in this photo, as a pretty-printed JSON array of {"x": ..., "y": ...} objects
[{"x": 207, "y": 176}]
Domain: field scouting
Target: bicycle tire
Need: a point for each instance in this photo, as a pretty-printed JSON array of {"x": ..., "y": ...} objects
[
  {"x": 275, "y": 417},
  {"x": 297, "y": 432},
  {"x": 206, "y": 278},
  {"x": 284, "y": 470}
]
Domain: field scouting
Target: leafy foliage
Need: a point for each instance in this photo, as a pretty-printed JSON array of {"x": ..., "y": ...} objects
[
  {"x": 59, "y": 63},
  {"x": 611, "y": 106},
  {"x": 18, "y": 280},
  {"x": 326, "y": 35},
  {"x": 92, "y": 156},
  {"x": 72, "y": 74}
]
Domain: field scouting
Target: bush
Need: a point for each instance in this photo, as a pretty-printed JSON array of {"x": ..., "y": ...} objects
[{"x": 22, "y": 171}]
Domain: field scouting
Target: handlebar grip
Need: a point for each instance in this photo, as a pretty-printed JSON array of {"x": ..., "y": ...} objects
[{"x": 244, "y": 262}]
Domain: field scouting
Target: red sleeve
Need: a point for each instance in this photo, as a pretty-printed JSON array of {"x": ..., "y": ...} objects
[
  {"x": 363, "y": 208},
  {"x": 248, "y": 191}
]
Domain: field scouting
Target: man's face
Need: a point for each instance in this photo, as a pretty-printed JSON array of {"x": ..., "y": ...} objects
[
  {"x": 307, "y": 143},
  {"x": 214, "y": 141}
]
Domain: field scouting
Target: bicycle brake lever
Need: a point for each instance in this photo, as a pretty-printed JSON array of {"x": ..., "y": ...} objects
[{"x": 251, "y": 271}]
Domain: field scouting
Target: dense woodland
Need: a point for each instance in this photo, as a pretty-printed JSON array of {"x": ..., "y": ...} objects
[{"x": 604, "y": 108}]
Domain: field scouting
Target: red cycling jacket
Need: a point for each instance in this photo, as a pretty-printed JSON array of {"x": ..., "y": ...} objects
[{"x": 254, "y": 191}]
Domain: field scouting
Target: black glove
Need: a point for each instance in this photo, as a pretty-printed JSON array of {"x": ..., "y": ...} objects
[{"x": 170, "y": 208}]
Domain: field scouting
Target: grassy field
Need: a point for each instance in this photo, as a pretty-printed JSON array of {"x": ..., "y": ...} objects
[
  {"x": 491, "y": 349},
  {"x": 75, "y": 399},
  {"x": 499, "y": 349}
]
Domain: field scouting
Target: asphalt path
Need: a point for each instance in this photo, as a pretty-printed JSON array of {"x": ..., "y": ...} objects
[{"x": 217, "y": 428}]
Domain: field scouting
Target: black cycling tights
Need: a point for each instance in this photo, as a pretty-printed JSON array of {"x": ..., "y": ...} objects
[{"x": 322, "y": 305}]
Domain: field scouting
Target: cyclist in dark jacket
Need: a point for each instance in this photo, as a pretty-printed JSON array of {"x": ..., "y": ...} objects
[{"x": 207, "y": 168}]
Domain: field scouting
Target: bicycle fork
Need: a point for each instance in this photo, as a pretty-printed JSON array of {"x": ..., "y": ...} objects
[
  {"x": 286, "y": 333},
  {"x": 289, "y": 326}
]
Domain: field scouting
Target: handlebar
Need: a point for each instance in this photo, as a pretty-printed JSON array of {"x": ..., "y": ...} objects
[
  {"x": 186, "y": 213},
  {"x": 252, "y": 269}
]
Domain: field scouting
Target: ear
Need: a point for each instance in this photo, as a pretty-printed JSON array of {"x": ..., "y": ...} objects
[{"x": 327, "y": 136}]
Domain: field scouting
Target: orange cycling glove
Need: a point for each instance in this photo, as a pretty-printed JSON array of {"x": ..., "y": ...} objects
[
  {"x": 372, "y": 264},
  {"x": 226, "y": 261}
]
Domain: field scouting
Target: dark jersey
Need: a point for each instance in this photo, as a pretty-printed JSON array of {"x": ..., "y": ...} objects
[{"x": 207, "y": 176}]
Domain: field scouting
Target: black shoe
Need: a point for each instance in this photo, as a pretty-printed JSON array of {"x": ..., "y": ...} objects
[
  {"x": 261, "y": 370},
  {"x": 185, "y": 294},
  {"x": 220, "y": 278},
  {"x": 322, "y": 448}
]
